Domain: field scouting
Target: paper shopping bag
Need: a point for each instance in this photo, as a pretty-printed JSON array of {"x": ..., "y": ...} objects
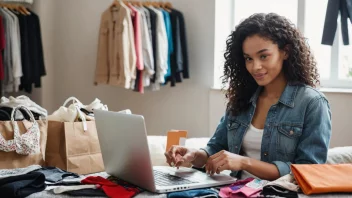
[
  {"x": 73, "y": 149},
  {"x": 18, "y": 150}
]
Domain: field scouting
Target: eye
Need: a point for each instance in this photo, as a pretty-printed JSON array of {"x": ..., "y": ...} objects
[
  {"x": 247, "y": 59},
  {"x": 263, "y": 57}
]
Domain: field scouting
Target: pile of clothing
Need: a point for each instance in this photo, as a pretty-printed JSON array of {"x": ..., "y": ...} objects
[
  {"x": 33, "y": 180},
  {"x": 77, "y": 111},
  {"x": 7, "y": 105}
]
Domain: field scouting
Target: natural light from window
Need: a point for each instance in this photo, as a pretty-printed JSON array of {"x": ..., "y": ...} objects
[
  {"x": 313, "y": 31},
  {"x": 334, "y": 62},
  {"x": 287, "y": 8}
]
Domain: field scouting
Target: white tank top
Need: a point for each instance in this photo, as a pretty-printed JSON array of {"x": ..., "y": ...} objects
[{"x": 251, "y": 146}]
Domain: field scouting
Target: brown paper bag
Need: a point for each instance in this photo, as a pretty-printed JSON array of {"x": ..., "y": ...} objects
[
  {"x": 11, "y": 160},
  {"x": 73, "y": 149}
]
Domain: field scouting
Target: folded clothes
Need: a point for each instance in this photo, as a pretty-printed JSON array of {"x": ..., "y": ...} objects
[
  {"x": 243, "y": 188},
  {"x": 55, "y": 175},
  {"x": 62, "y": 189},
  {"x": 86, "y": 193},
  {"x": 285, "y": 186},
  {"x": 22, "y": 185},
  {"x": 18, "y": 171},
  {"x": 209, "y": 193},
  {"x": 323, "y": 178},
  {"x": 110, "y": 188},
  {"x": 276, "y": 191}
]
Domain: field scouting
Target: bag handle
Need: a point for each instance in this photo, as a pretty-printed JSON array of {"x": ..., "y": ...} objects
[
  {"x": 78, "y": 106},
  {"x": 80, "y": 114},
  {"x": 74, "y": 99},
  {"x": 14, "y": 110}
]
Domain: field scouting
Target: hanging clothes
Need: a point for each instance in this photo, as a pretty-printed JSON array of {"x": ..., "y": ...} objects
[
  {"x": 161, "y": 60},
  {"x": 23, "y": 59},
  {"x": 136, "y": 21},
  {"x": 32, "y": 52},
  {"x": 2, "y": 48},
  {"x": 184, "y": 67},
  {"x": 16, "y": 53},
  {"x": 153, "y": 22},
  {"x": 149, "y": 50},
  {"x": 14, "y": 67},
  {"x": 169, "y": 41},
  {"x": 116, "y": 61},
  {"x": 330, "y": 24}
]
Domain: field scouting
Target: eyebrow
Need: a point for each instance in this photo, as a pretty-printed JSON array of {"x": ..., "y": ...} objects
[{"x": 260, "y": 51}]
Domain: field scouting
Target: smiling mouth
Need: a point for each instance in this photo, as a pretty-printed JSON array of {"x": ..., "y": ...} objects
[{"x": 259, "y": 76}]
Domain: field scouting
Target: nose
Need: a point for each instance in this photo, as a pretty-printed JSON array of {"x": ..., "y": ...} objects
[{"x": 257, "y": 65}]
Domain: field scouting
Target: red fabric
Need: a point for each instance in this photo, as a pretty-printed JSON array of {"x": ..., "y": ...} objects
[
  {"x": 110, "y": 188},
  {"x": 2, "y": 47}
]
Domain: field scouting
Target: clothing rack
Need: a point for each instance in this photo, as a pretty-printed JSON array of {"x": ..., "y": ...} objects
[
  {"x": 18, "y": 1},
  {"x": 21, "y": 57},
  {"x": 154, "y": 41},
  {"x": 15, "y": 6}
]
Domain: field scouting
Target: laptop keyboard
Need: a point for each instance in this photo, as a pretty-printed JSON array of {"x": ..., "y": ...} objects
[{"x": 165, "y": 179}]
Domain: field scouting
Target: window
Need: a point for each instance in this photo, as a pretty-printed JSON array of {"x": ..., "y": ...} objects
[
  {"x": 334, "y": 62},
  {"x": 244, "y": 9},
  {"x": 313, "y": 31}
]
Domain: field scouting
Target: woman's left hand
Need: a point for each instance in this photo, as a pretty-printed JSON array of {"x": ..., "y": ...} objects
[{"x": 224, "y": 160}]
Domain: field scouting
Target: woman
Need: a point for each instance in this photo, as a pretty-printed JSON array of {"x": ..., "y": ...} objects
[{"x": 274, "y": 116}]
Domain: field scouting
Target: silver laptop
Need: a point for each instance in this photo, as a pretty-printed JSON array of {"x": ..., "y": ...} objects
[{"x": 124, "y": 147}]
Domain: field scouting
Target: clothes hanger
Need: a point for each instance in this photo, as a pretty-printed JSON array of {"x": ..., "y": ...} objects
[
  {"x": 15, "y": 7},
  {"x": 165, "y": 6},
  {"x": 24, "y": 10},
  {"x": 168, "y": 5},
  {"x": 156, "y": 4},
  {"x": 116, "y": 4},
  {"x": 146, "y": 3}
]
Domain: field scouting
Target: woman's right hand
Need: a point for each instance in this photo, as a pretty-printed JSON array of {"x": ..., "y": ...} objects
[{"x": 178, "y": 155}]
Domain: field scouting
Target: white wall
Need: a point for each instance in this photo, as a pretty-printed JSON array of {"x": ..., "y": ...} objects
[{"x": 70, "y": 32}]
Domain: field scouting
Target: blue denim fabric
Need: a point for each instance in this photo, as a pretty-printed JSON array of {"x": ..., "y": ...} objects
[
  {"x": 297, "y": 129},
  {"x": 193, "y": 193}
]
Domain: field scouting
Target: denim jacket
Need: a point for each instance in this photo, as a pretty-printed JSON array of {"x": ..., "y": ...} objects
[{"x": 297, "y": 129}]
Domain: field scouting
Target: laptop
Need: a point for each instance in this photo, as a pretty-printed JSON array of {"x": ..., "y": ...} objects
[{"x": 124, "y": 147}]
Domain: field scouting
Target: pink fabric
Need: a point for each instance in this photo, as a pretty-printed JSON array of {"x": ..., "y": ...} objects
[
  {"x": 226, "y": 192},
  {"x": 136, "y": 17},
  {"x": 243, "y": 188},
  {"x": 246, "y": 191}
]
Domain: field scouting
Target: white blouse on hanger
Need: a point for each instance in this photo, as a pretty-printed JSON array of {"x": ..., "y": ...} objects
[
  {"x": 147, "y": 49},
  {"x": 16, "y": 53},
  {"x": 162, "y": 47}
]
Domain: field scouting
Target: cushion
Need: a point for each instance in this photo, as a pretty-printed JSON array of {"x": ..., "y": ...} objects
[{"x": 340, "y": 155}]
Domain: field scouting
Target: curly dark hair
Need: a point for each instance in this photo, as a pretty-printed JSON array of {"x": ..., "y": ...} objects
[{"x": 300, "y": 67}]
